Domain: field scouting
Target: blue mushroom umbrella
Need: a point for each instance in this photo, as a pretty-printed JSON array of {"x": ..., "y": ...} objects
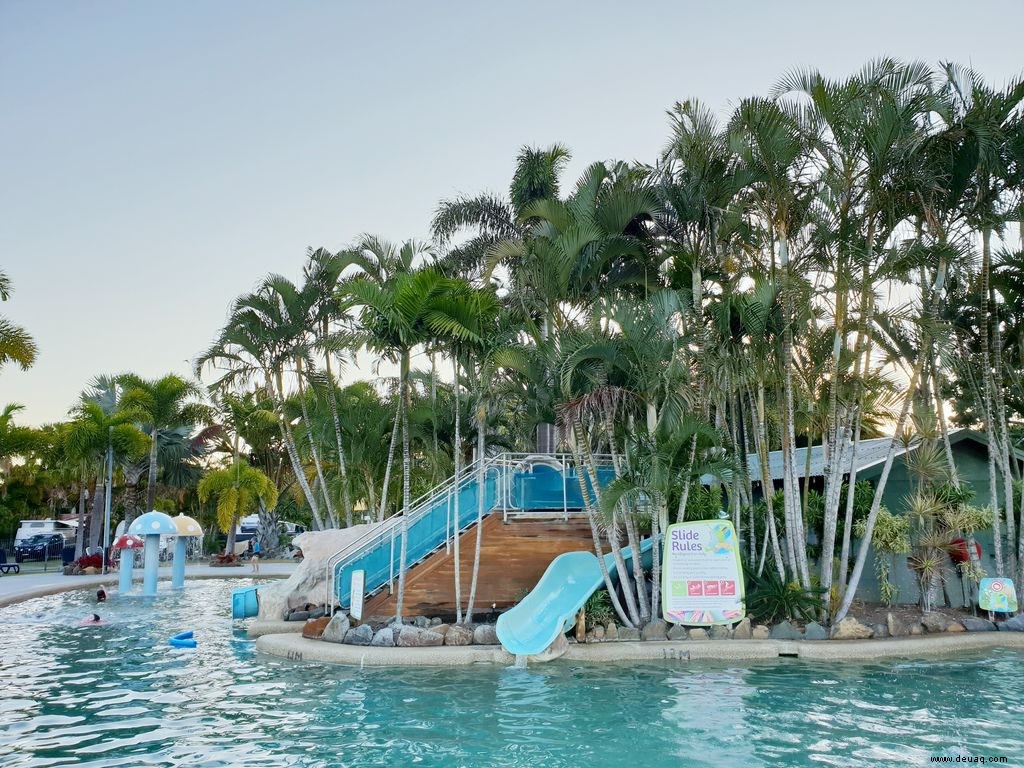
[{"x": 152, "y": 526}]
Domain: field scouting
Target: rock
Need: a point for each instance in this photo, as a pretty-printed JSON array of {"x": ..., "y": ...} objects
[
  {"x": 336, "y": 629},
  {"x": 318, "y": 613},
  {"x": 91, "y": 570},
  {"x": 720, "y": 632},
  {"x": 880, "y": 630},
  {"x": 441, "y": 629},
  {"x": 557, "y": 648},
  {"x": 814, "y": 631},
  {"x": 1016, "y": 624},
  {"x": 315, "y": 627},
  {"x": 422, "y": 622},
  {"x": 384, "y": 638},
  {"x": 599, "y": 632},
  {"x": 761, "y": 632},
  {"x": 611, "y": 631},
  {"x": 916, "y": 628},
  {"x": 955, "y": 626},
  {"x": 654, "y": 630},
  {"x": 361, "y": 635},
  {"x": 417, "y": 637},
  {"x": 308, "y": 583},
  {"x": 677, "y": 632},
  {"x": 785, "y": 630},
  {"x": 458, "y": 634},
  {"x": 698, "y": 633},
  {"x": 851, "y": 629},
  {"x": 629, "y": 633},
  {"x": 976, "y": 624},
  {"x": 484, "y": 634},
  {"x": 741, "y": 631},
  {"x": 897, "y": 627},
  {"x": 436, "y": 621},
  {"x": 297, "y": 616}
]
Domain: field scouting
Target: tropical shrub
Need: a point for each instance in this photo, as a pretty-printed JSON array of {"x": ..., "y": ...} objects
[{"x": 770, "y": 599}]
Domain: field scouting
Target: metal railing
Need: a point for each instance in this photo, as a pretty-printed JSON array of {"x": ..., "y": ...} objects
[{"x": 504, "y": 467}]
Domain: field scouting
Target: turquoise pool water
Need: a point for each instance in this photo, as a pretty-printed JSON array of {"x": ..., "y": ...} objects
[{"x": 118, "y": 695}]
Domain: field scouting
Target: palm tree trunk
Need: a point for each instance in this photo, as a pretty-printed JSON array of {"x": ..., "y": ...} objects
[
  {"x": 391, "y": 455},
  {"x": 406, "y": 470},
  {"x": 481, "y": 484},
  {"x": 293, "y": 453},
  {"x": 767, "y": 486},
  {"x": 96, "y": 514},
  {"x": 151, "y": 483},
  {"x": 986, "y": 388},
  {"x": 332, "y": 517},
  {"x": 80, "y": 532},
  {"x": 457, "y": 460},
  {"x": 588, "y": 503},
  {"x": 876, "y": 502},
  {"x": 346, "y": 495}
]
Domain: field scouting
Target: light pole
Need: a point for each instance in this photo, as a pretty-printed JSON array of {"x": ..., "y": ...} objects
[{"x": 106, "y": 500}]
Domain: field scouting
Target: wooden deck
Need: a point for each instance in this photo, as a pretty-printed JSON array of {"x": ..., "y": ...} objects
[{"x": 513, "y": 557}]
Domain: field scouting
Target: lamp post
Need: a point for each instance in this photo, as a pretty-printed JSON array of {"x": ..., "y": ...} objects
[{"x": 106, "y": 501}]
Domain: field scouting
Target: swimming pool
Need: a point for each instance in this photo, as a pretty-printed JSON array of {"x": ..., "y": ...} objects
[{"x": 118, "y": 695}]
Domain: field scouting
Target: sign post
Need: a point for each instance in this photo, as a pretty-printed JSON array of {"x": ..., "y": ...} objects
[
  {"x": 702, "y": 574},
  {"x": 356, "y": 599}
]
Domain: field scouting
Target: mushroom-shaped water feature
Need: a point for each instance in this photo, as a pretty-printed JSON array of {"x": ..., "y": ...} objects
[
  {"x": 152, "y": 525},
  {"x": 127, "y": 543},
  {"x": 186, "y": 527}
]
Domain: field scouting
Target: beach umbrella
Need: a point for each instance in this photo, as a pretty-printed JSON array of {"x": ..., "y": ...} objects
[{"x": 186, "y": 528}]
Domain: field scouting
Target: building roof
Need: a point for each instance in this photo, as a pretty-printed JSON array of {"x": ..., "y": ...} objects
[{"x": 870, "y": 453}]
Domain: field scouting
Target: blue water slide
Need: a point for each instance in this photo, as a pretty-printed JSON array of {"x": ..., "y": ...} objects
[
  {"x": 552, "y": 606},
  {"x": 427, "y": 531}
]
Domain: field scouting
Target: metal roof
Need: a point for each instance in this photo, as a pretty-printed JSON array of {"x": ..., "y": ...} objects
[{"x": 870, "y": 453}]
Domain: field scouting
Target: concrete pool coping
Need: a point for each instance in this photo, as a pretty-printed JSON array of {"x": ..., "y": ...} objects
[
  {"x": 297, "y": 648},
  {"x": 43, "y": 585}
]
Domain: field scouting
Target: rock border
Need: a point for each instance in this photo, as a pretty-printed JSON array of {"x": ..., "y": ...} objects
[{"x": 294, "y": 647}]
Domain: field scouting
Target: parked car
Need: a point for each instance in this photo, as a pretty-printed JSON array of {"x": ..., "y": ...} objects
[{"x": 42, "y": 546}]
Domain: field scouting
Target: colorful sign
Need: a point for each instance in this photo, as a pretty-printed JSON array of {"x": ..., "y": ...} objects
[
  {"x": 356, "y": 597},
  {"x": 702, "y": 577},
  {"x": 997, "y": 595}
]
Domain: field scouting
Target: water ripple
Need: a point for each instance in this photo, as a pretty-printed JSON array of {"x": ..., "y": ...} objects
[{"x": 118, "y": 695}]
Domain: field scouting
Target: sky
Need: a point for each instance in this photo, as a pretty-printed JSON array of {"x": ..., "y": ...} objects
[{"x": 157, "y": 160}]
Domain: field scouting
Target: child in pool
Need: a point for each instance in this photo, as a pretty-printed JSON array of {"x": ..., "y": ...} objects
[
  {"x": 93, "y": 621},
  {"x": 101, "y": 595}
]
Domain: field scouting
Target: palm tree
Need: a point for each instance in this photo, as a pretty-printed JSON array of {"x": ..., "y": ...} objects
[
  {"x": 239, "y": 489},
  {"x": 16, "y": 345},
  {"x": 395, "y": 318},
  {"x": 161, "y": 405},
  {"x": 86, "y": 440}
]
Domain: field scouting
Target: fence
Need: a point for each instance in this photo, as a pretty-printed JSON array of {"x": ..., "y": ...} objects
[{"x": 50, "y": 557}]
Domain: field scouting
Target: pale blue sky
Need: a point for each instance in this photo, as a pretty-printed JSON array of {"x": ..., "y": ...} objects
[{"x": 158, "y": 159}]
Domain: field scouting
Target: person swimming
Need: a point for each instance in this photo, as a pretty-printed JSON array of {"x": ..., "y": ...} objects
[
  {"x": 101, "y": 595},
  {"x": 93, "y": 620}
]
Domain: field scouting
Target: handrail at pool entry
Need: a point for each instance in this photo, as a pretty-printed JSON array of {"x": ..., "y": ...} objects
[{"x": 522, "y": 482}]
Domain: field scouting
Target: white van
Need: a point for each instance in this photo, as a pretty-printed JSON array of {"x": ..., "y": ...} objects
[{"x": 27, "y": 528}]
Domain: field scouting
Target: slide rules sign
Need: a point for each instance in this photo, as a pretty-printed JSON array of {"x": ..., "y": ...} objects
[{"x": 702, "y": 574}]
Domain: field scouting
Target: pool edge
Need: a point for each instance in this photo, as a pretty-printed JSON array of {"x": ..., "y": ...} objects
[{"x": 297, "y": 648}]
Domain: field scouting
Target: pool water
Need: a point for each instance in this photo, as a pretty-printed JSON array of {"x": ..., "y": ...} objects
[{"x": 118, "y": 695}]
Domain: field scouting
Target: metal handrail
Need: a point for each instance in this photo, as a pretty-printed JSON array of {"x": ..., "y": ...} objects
[{"x": 505, "y": 463}]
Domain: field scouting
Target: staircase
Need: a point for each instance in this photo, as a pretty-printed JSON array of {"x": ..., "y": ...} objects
[{"x": 517, "y": 485}]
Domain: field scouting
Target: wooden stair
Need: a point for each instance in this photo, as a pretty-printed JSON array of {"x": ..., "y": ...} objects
[{"x": 513, "y": 557}]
